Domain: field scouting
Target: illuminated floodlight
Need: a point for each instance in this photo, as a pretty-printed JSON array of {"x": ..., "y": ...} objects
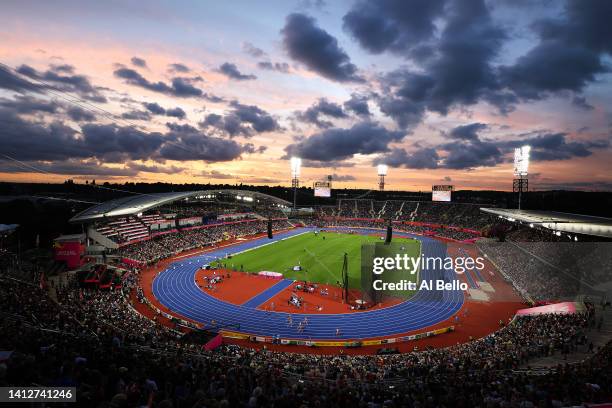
[
  {"x": 382, "y": 169},
  {"x": 382, "y": 172},
  {"x": 296, "y": 164},
  {"x": 521, "y": 161}
]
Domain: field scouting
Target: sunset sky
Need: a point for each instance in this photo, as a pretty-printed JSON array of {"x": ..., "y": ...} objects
[{"x": 225, "y": 92}]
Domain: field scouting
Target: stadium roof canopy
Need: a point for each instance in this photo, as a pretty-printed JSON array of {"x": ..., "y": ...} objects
[
  {"x": 558, "y": 221},
  {"x": 136, "y": 204}
]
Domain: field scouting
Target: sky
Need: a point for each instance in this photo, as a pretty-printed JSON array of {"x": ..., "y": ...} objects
[{"x": 441, "y": 91}]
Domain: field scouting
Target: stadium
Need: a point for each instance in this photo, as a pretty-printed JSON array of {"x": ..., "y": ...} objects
[
  {"x": 314, "y": 204},
  {"x": 222, "y": 276}
]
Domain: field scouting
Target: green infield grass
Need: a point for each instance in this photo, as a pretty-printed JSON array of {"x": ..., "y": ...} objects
[{"x": 319, "y": 256}]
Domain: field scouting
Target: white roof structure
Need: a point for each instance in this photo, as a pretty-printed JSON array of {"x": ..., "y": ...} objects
[
  {"x": 136, "y": 204},
  {"x": 558, "y": 221}
]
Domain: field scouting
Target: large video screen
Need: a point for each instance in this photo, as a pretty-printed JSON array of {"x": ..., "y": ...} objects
[
  {"x": 441, "y": 193},
  {"x": 322, "y": 189},
  {"x": 322, "y": 192}
]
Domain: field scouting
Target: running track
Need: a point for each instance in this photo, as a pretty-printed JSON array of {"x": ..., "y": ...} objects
[{"x": 176, "y": 289}]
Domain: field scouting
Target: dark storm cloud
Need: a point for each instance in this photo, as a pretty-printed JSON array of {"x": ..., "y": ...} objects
[
  {"x": 339, "y": 144},
  {"x": 469, "y": 150},
  {"x": 231, "y": 71},
  {"x": 260, "y": 120},
  {"x": 139, "y": 62},
  {"x": 422, "y": 158},
  {"x": 29, "y": 141},
  {"x": 65, "y": 82},
  {"x": 321, "y": 108},
  {"x": 457, "y": 64},
  {"x": 467, "y": 132},
  {"x": 62, "y": 68},
  {"x": 179, "y": 87},
  {"x": 556, "y": 146},
  {"x": 404, "y": 111},
  {"x": 394, "y": 25},
  {"x": 459, "y": 71},
  {"x": 183, "y": 87},
  {"x": 274, "y": 66},
  {"x": 185, "y": 128},
  {"x": 241, "y": 120},
  {"x": 197, "y": 146},
  {"x": 533, "y": 76},
  {"x": 156, "y": 109},
  {"x": 26, "y": 140},
  {"x": 312, "y": 46},
  {"x": 178, "y": 67},
  {"x": 28, "y": 105},
  {"x": 136, "y": 115},
  {"x": 116, "y": 144},
  {"x": 358, "y": 104},
  {"x": 570, "y": 52},
  {"x": 176, "y": 113},
  {"x": 25, "y": 104},
  {"x": 80, "y": 115},
  {"x": 468, "y": 44},
  {"x": 12, "y": 82},
  {"x": 471, "y": 154}
]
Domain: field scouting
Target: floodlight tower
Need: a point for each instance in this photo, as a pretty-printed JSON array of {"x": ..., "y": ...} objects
[
  {"x": 382, "y": 172},
  {"x": 296, "y": 164},
  {"x": 521, "y": 171}
]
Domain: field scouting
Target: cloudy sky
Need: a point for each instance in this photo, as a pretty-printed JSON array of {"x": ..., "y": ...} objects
[{"x": 197, "y": 91}]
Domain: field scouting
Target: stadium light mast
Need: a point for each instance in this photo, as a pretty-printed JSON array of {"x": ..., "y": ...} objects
[
  {"x": 520, "y": 183},
  {"x": 296, "y": 164},
  {"x": 382, "y": 172}
]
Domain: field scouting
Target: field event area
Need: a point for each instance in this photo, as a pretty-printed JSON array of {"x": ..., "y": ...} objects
[{"x": 313, "y": 257}]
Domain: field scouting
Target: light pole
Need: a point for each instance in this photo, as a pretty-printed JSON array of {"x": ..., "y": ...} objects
[
  {"x": 521, "y": 171},
  {"x": 296, "y": 164},
  {"x": 382, "y": 172}
]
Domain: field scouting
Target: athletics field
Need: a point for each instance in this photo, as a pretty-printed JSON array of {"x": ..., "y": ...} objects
[{"x": 320, "y": 257}]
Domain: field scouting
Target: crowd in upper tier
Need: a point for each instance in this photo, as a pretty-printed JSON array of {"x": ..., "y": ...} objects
[{"x": 452, "y": 214}]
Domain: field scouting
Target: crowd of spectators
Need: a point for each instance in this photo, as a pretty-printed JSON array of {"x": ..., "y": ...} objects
[
  {"x": 546, "y": 271},
  {"x": 164, "y": 246},
  {"x": 95, "y": 341},
  {"x": 450, "y": 214}
]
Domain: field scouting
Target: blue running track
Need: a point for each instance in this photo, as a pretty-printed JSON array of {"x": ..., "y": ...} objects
[
  {"x": 176, "y": 289},
  {"x": 268, "y": 293}
]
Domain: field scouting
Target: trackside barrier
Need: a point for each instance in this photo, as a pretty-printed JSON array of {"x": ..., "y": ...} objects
[{"x": 338, "y": 343}]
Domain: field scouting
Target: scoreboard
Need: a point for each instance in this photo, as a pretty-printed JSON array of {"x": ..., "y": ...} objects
[
  {"x": 441, "y": 192},
  {"x": 322, "y": 189}
]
